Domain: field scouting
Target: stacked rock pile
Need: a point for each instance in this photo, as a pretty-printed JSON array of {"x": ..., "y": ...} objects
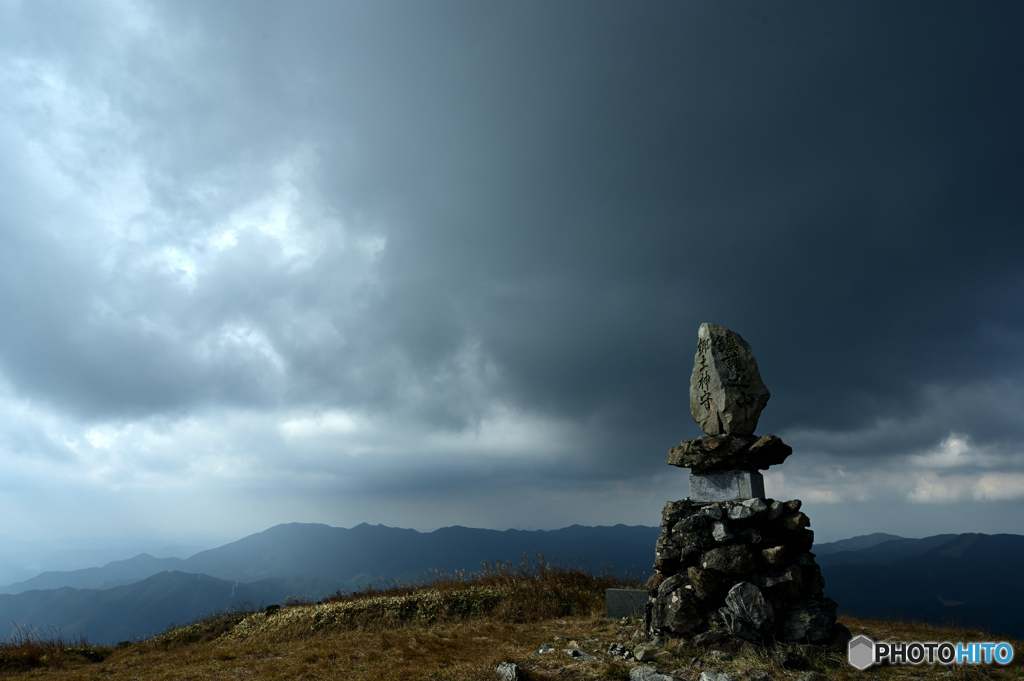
[{"x": 729, "y": 560}]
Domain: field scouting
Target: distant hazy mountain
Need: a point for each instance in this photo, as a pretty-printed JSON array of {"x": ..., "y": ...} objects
[
  {"x": 883, "y": 552},
  {"x": 139, "y": 597},
  {"x": 971, "y": 580},
  {"x": 112, "y": 574},
  {"x": 858, "y": 543},
  {"x": 21, "y": 559},
  {"x": 353, "y": 558},
  {"x": 129, "y": 612}
]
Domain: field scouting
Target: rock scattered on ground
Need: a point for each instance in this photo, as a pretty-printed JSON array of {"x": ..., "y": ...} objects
[{"x": 509, "y": 671}]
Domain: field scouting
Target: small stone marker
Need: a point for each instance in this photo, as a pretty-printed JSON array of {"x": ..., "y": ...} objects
[
  {"x": 619, "y": 603},
  {"x": 726, "y": 392}
]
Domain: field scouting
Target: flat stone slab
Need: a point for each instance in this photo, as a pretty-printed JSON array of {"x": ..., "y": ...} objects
[
  {"x": 727, "y": 486},
  {"x": 619, "y": 603},
  {"x": 723, "y": 453}
]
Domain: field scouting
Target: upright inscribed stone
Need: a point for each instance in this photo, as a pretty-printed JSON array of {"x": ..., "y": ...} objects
[{"x": 726, "y": 392}]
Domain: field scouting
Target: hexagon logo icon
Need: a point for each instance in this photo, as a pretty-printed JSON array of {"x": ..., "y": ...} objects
[{"x": 861, "y": 652}]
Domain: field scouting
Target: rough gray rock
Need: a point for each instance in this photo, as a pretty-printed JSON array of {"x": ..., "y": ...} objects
[
  {"x": 693, "y": 535},
  {"x": 795, "y": 522},
  {"x": 678, "y": 611},
  {"x": 705, "y": 584},
  {"x": 720, "y": 532},
  {"x": 786, "y": 584},
  {"x": 726, "y": 391},
  {"x": 715, "y": 676},
  {"x": 619, "y": 652},
  {"x": 733, "y": 560},
  {"x": 774, "y": 557},
  {"x": 711, "y": 453},
  {"x": 675, "y": 511},
  {"x": 674, "y": 582},
  {"x": 666, "y": 554},
  {"x": 644, "y": 673},
  {"x": 740, "y": 513},
  {"x": 809, "y": 620},
  {"x": 746, "y": 612},
  {"x": 755, "y": 505},
  {"x": 712, "y": 511},
  {"x": 509, "y": 671},
  {"x": 720, "y": 644},
  {"x": 841, "y": 637},
  {"x": 751, "y": 536}
]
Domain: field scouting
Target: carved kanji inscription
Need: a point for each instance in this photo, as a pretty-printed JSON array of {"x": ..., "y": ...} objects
[{"x": 726, "y": 391}]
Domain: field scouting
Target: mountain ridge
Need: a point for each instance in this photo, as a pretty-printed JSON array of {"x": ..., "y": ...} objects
[
  {"x": 299, "y": 560},
  {"x": 323, "y": 552},
  {"x": 971, "y": 580},
  {"x": 933, "y": 579}
]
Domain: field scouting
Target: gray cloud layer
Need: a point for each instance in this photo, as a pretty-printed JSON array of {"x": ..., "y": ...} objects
[{"x": 434, "y": 263}]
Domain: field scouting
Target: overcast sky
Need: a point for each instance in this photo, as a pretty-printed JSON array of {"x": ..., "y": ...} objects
[{"x": 435, "y": 263}]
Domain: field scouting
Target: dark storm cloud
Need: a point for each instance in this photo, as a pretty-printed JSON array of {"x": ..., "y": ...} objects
[
  {"x": 466, "y": 216},
  {"x": 838, "y": 184}
]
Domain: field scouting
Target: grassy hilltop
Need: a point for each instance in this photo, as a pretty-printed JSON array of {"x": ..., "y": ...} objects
[{"x": 457, "y": 628}]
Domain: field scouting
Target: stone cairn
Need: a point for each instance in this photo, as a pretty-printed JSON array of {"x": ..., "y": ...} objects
[{"x": 729, "y": 561}]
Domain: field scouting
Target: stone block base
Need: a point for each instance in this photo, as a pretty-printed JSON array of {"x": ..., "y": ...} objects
[{"x": 726, "y": 486}]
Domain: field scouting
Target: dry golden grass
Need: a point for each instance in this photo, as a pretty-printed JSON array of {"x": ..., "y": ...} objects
[{"x": 455, "y": 629}]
